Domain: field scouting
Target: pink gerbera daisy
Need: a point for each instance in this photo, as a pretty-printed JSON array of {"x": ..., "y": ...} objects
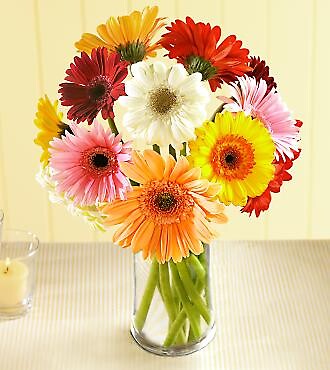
[
  {"x": 86, "y": 165},
  {"x": 251, "y": 97},
  {"x": 95, "y": 83}
]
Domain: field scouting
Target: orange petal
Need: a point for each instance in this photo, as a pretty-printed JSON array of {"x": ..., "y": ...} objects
[
  {"x": 203, "y": 231},
  {"x": 117, "y": 213},
  {"x": 173, "y": 243},
  {"x": 142, "y": 166},
  {"x": 189, "y": 233},
  {"x": 183, "y": 247},
  {"x": 192, "y": 175},
  {"x": 181, "y": 166},
  {"x": 142, "y": 236},
  {"x": 197, "y": 186},
  {"x": 155, "y": 162},
  {"x": 213, "y": 189},
  {"x": 130, "y": 170},
  {"x": 155, "y": 241},
  {"x": 125, "y": 230},
  {"x": 209, "y": 206},
  {"x": 169, "y": 165},
  {"x": 219, "y": 218},
  {"x": 163, "y": 243}
]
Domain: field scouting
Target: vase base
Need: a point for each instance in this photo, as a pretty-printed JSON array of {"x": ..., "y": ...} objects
[{"x": 173, "y": 351}]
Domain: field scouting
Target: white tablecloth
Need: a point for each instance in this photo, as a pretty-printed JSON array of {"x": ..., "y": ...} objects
[{"x": 271, "y": 298}]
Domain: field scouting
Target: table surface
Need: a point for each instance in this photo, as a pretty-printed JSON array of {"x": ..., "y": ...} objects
[{"x": 271, "y": 299}]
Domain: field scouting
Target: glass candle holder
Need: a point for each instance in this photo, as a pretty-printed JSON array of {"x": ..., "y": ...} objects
[{"x": 18, "y": 254}]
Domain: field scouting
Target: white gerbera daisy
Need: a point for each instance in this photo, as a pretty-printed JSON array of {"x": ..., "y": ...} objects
[
  {"x": 91, "y": 214},
  {"x": 164, "y": 105}
]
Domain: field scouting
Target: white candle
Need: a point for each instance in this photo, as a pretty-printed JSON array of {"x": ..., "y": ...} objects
[{"x": 13, "y": 282}]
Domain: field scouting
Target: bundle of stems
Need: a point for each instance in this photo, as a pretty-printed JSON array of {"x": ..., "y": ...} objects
[{"x": 183, "y": 287}]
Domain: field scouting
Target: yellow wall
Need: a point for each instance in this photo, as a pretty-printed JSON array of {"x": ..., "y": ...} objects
[{"x": 37, "y": 45}]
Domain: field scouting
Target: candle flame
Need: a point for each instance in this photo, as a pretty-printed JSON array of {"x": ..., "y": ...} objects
[{"x": 7, "y": 263}]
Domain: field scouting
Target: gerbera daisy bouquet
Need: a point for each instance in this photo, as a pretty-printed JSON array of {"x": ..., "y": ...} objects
[{"x": 167, "y": 197}]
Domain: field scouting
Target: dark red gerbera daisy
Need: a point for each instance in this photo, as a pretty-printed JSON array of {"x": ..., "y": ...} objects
[
  {"x": 262, "y": 202},
  {"x": 261, "y": 72},
  {"x": 95, "y": 84},
  {"x": 195, "y": 46}
]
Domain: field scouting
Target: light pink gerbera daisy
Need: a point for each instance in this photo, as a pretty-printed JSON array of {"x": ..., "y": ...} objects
[
  {"x": 86, "y": 165},
  {"x": 251, "y": 97}
]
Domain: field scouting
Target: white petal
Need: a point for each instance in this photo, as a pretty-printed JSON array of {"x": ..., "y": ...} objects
[
  {"x": 191, "y": 82},
  {"x": 135, "y": 88},
  {"x": 131, "y": 102},
  {"x": 177, "y": 75},
  {"x": 142, "y": 73},
  {"x": 159, "y": 73}
]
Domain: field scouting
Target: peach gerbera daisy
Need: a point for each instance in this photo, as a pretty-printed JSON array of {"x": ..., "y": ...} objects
[{"x": 168, "y": 215}]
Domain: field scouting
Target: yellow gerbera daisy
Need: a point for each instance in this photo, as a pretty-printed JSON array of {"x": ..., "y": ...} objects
[
  {"x": 48, "y": 120},
  {"x": 130, "y": 35},
  {"x": 235, "y": 151}
]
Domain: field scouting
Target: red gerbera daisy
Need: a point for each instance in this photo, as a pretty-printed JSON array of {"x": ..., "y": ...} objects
[
  {"x": 95, "y": 84},
  {"x": 195, "y": 46},
  {"x": 262, "y": 202},
  {"x": 261, "y": 72}
]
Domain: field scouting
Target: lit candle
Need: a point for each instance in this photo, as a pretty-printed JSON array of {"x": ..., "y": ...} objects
[{"x": 13, "y": 282}]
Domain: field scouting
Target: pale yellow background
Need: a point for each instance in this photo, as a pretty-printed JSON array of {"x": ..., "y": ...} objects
[{"x": 37, "y": 39}]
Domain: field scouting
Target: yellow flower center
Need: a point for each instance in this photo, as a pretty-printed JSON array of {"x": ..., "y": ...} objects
[
  {"x": 232, "y": 157},
  {"x": 162, "y": 100}
]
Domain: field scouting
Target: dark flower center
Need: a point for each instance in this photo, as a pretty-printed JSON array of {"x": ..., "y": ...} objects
[
  {"x": 162, "y": 100},
  {"x": 231, "y": 159},
  {"x": 99, "y": 160},
  {"x": 99, "y": 89},
  {"x": 195, "y": 63},
  {"x": 96, "y": 92},
  {"x": 165, "y": 201}
]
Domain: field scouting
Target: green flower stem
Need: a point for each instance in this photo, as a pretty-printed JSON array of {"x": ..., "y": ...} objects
[
  {"x": 164, "y": 279},
  {"x": 197, "y": 266},
  {"x": 142, "y": 312},
  {"x": 180, "y": 320},
  {"x": 187, "y": 306},
  {"x": 218, "y": 110},
  {"x": 172, "y": 151},
  {"x": 156, "y": 148},
  {"x": 113, "y": 126},
  {"x": 203, "y": 261},
  {"x": 183, "y": 151},
  {"x": 160, "y": 289},
  {"x": 191, "y": 337},
  {"x": 175, "y": 329},
  {"x": 192, "y": 292},
  {"x": 166, "y": 293}
]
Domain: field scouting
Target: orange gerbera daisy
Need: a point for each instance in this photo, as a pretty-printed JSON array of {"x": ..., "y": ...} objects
[
  {"x": 168, "y": 215},
  {"x": 130, "y": 35}
]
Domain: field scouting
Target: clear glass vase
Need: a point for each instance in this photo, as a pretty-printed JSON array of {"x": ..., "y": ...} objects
[{"x": 173, "y": 313}]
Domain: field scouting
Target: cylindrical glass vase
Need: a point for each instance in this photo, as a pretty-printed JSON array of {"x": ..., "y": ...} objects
[{"x": 173, "y": 313}]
